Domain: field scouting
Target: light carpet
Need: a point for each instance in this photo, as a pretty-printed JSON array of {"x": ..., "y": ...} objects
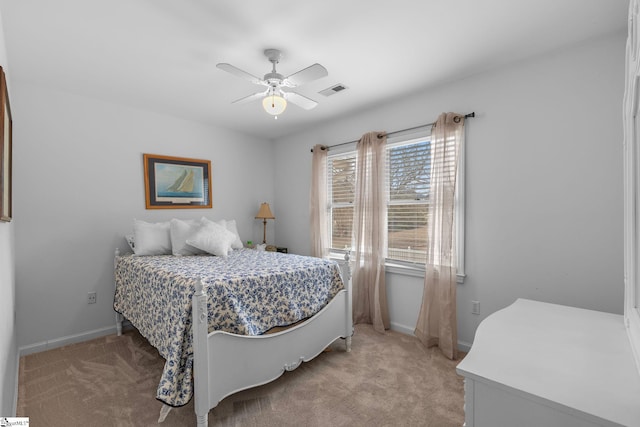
[{"x": 386, "y": 380}]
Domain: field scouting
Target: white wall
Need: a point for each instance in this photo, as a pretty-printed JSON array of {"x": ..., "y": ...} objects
[
  {"x": 78, "y": 187},
  {"x": 544, "y": 181},
  {"x": 8, "y": 346}
]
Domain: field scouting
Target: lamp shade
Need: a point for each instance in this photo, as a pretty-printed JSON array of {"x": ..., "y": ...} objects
[
  {"x": 274, "y": 104},
  {"x": 265, "y": 212}
]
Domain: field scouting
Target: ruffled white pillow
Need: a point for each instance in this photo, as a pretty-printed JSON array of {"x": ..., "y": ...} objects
[
  {"x": 151, "y": 238},
  {"x": 230, "y": 224},
  {"x": 212, "y": 238},
  {"x": 180, "y": 231}
]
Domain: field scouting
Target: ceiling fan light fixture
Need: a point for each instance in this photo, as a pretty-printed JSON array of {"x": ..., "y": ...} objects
[
  {"x": 274, "y": 99},
  {"x": 274, "y": 104}
]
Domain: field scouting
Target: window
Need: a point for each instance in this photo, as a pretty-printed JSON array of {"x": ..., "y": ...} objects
[
  {"x": 342, "y": 177},
  {"x": 408, "y": 168},
  {"x": 408, "y": 173}
]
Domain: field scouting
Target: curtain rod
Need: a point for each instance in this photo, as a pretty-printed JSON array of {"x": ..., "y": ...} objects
[{"x": 472, "y": 114}]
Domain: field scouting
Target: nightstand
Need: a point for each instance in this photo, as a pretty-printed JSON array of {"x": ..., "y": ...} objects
[{"x": 272, "y": 248}]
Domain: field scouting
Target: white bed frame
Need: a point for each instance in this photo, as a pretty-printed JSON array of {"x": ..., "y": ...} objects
[{"x": 226, "y": 363}]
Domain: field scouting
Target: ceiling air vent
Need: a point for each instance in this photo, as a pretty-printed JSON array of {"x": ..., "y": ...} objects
[{"x": 333, "y": 89}]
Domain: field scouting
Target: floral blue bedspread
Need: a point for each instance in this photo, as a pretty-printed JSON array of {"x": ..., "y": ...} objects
[{"x": 249, "y": 292}]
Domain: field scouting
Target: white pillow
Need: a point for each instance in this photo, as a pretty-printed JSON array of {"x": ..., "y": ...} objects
[
  {"x": 231, "y": 226},
  {"x": 151, "y": 238},
  {"x": 212, "y": 238},
  {"x": 180, "y": 231}
]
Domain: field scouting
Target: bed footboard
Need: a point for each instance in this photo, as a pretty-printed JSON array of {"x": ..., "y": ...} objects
[{"x": 225, "y": 363}]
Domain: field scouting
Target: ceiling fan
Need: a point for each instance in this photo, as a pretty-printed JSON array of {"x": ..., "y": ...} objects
[{"x": 278, "y": 91}]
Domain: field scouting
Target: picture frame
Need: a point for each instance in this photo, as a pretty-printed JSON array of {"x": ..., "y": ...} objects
[
  {"x": 176, "y": 182},
  {"x": 6, "y": 149}
]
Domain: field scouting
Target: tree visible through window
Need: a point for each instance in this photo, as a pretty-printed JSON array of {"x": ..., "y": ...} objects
[{"x": 408, "y": 173}]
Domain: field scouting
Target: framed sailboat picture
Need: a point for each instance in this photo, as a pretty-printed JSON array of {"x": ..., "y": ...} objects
[
  {"x": 176, "y": 182},
  {"x": 5, "y": 151}
]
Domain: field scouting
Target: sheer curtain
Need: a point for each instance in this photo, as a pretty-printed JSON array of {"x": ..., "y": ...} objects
[
  {"x": 437, "y": 325},
  {"x": 370, "y": 231},
  {"x": 318, "y": 203}
]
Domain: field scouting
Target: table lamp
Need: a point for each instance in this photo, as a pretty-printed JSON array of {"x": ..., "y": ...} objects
[{"x": 264, "y": 214}]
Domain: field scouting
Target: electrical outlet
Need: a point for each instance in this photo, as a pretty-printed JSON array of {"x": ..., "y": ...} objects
[
  {"x": 92, "y": 297},
  {"x": 475, "y": 307}
]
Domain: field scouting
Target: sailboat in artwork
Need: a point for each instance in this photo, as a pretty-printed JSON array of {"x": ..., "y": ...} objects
[
  {"x": 187, "y": 183},
  {"x": 184, "y": 183}
]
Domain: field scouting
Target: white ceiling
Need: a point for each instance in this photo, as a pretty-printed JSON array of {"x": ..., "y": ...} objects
[{"x": 161, "y": 55}]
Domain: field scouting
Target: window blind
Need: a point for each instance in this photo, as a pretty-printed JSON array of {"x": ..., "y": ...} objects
[
  {"x": 342, "y": 173},
  {"x": 408, "y": 175}
]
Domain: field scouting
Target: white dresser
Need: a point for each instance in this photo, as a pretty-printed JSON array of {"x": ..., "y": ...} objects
[{"x": 536, "y": 364}]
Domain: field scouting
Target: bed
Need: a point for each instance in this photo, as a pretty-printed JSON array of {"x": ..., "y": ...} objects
[{"x": 212, "y": 318}]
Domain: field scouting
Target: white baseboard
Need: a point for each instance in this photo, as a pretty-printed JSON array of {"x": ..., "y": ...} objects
[
  {"x": 402, "y": 328},
  {"x": 60, "y": 342},
  {"x": 462, "y": 346},
  {"x": 96, "y": 333}
]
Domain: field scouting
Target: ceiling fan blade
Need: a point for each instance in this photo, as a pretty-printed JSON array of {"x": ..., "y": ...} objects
[
  {"x": 254, "y": 97},
  {"x": 239, "y": 73},
  {"x": 300, "y": 100},
  {"x": 311, "y": 73}
]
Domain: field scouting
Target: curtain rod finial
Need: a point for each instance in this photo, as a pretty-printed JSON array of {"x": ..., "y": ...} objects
[{"x": 322, "y": 147}]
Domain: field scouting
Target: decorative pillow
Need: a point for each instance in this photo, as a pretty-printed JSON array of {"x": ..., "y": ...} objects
[
  {"x": 213, "y": 238},
  {"x": 180, "y": 231},
  {"x": 151, "y": 238},
  {"x": 230, "y": 224}
]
